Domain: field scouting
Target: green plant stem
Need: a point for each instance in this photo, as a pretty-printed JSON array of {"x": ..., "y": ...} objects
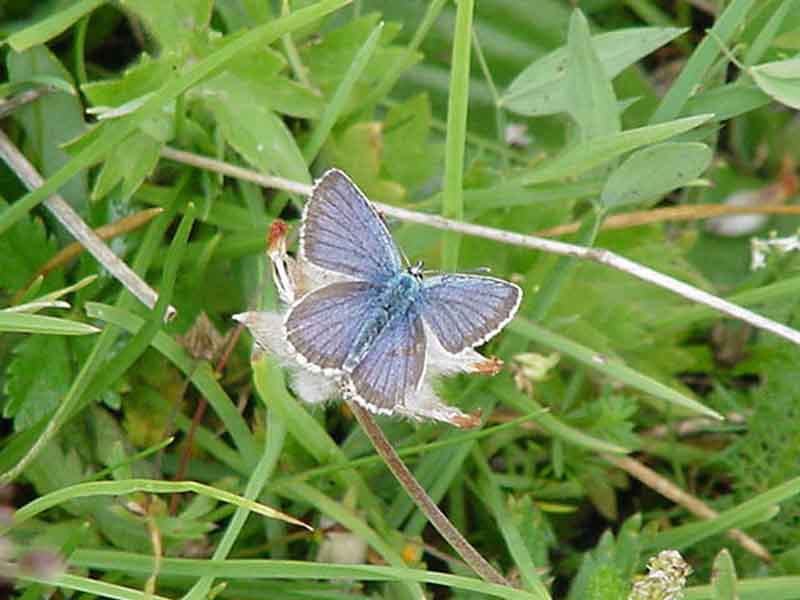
[{"x": 455, "y": 141}]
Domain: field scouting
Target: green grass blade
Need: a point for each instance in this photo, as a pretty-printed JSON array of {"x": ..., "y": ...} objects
[
  {"x": 342, "y": 515},
  {"x": 113, "y": 136},
  {"x": 612, "y": 367},
  {"x": 51, "y": 26},
  {"x": 150, "y": 486},
  {"x": 692, "y": 74},
  {"x": 723, "y": 579},
  {"x": 409, "y": 57},
  {"x": 91, "y": 378},
  {"x": 763, "y": 588},
  {"x": 309, "y": 434},
  {"x": 757, "y": 509},
  {"x": 285, "y": 569},
  {"x": 276, "y": 435},
  {"x": 202, "y": 375},
  {"x": 598, "y": 151},
  {"x": 25, "y": 323},
  {"x": 516, "y": 546},
  {"x": 555, "y": 426},
  {"x": 335, "y": 108},
  {"x": 455, "y": 140}
]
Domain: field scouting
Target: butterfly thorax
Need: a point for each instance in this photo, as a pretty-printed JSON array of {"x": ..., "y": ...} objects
[{"x": 399, "y": 295}]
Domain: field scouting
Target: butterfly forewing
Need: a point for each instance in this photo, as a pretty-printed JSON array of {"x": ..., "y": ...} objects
[
  {"x": 393, "y": 366},
  {"x": 342, "y": 232},
  {"x": 323, "y": 325},
  {"x": 467, "y": 310}
]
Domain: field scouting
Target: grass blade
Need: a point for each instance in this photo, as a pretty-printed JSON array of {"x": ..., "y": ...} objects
[{"x": 457, "y": 107}]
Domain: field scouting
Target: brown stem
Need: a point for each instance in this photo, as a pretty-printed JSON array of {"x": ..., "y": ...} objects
[
  {"x": 673, "y": 214},
  {"x": 199, "y": 413},
  {"x": 598, "y": 255},
  {"x": 417, "y": 493},
  {"x": 694, "y": 505},
  {"x": 78, "y": 228}
]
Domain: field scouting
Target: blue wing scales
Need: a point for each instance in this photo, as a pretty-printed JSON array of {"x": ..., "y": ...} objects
[
  {"x": 322, "y": 326},
  {"x": 342, "y": 232},
  {"x": 393, "y": 366},
  {"x": 464, "y": 311}
]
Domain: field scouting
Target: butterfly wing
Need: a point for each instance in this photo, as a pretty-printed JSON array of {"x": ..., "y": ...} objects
[
  {"x": 342, "y": 232},
  {"x": 393, "y": 366},
  {"x": 464, "y": 311},
  {"x": 322, "y": 326}
]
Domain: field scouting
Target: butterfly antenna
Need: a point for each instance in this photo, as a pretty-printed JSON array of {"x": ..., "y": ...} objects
[
  {"x": 404, "y": 256},
  {"x": 483, "y": 270}
]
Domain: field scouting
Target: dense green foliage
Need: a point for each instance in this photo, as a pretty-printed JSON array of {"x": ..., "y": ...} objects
[{"x": 517, "y": 115}]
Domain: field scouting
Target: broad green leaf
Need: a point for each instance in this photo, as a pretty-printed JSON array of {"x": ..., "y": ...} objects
[
  {"x": 131, "y": 163},
  {"x": 172, "y": 24},
  {"x": 37, "y": 378},
  {"x": 25, "y": 323},
  {"x": 278, "y": 93},
  {"x": 651, "y": 172},
  {"x": 50, "y": 26},
  {"x": 593, "y": 153},
  {"x": 50, "y": 121},
  {"x": 357, "y": 150},
  {"x": 136, "y": 81},
  {"x": 408, "y": 155},
  {"x": 590, "y": 97},
  {"x": 541, "y": 88},
  {"x": 335, "y": 108},
  {"x": 117, "y": 98},
  {"x": 329, "y": 60},
  {"x": 723, "y": 578},
  {"x": 260, "y": 73},
  {"x": 23, "y": 250},
  {"x": 168, "y": 92},
  {"x": 781, "y": 80},
  {"x": 259, "y": 135}
]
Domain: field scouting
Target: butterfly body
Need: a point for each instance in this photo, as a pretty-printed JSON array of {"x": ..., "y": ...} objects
[
  {"x": 395, "y": 300},
  {"x": 370, "y": 327}
]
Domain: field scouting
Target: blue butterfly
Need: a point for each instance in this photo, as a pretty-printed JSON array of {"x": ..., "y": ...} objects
[{"x": 369, "y": 327}]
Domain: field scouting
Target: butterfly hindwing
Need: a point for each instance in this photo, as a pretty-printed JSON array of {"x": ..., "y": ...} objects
[
  {"x": 342, "y": 232},
  {"x": 322, "y": 326},
  {"x": 464, "y": 311},
  {"x": 393, "y": 366}
]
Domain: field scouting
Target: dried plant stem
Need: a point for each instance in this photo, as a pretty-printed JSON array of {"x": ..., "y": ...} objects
[
  {"x": 599, "y": 255},
  {"x": 79, "y": 229},
  {"x": 9, "y": 105},
  {"x": 694, "y": 425},
  {"x": 197, "y": 418},
  {"x": 417, "y": 493},
  {"x": 105, "y": 232},
  {"x": 694, "y": 505},
  {"x": 673, "y": 213}
]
